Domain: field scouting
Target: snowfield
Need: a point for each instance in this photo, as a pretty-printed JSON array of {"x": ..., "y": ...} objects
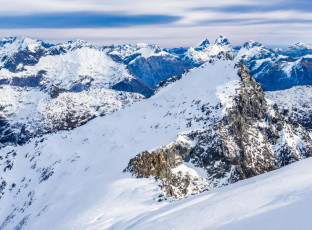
[{"x": 276, "y": 200}]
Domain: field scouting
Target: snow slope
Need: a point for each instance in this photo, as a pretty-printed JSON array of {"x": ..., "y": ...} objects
[{"x": 276, "y": 200}]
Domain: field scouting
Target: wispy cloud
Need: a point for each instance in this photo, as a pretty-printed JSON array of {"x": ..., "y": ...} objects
[
  {"x": 82, "y": 20},
  {"x": 254, "y": 21},
  {"x": 168, "y": 22},
  {"x": 260, "y": 7}
]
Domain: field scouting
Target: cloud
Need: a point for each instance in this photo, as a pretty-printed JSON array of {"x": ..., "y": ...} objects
[
  {"x": 263, "y": 6},
  {"x": 167, "y": 22},
  {"x": 82, "y": 20},
  {"x": 254, "y": 21}
]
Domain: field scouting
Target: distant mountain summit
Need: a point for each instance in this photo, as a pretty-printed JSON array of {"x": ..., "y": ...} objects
[
  {"x": 222, "y": 41},
  {"x": 298, "y": 50},
  {"x": 202, "y": 45}
]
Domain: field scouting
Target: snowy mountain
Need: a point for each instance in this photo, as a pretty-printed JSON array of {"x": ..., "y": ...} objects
[
  {"x": 78, "y": 70},
  {"x": 295, "y": 103},
  {"x": 298, "y": 50},
  {"x": 149, "y": 62},
  {"x": 29, "y": 112},
  {"x": 211, "y": 128},
  {"x": 273, "y": 70},
  {"x": 204, "y": 51},
  {"x": 47, "y": 88}
]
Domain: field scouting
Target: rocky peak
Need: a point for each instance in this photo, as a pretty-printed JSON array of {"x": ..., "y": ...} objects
[
  {"x": 144, "y": 48},
  {"x": 302, "y": 45},
  {"x": 69, "y": 46},
  {"x": 202, "y": 45},
  {"x": 298, "y": 50},
  {"x": 222, "y": 41},
  {"x": 250, "y": 138},
  {"x": 251, "y": 44},
  {"x": 11, "y": 45}
]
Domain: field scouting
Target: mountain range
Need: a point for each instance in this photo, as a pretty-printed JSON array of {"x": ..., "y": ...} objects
[
  {"x": 113, "y": 137},
  {"x": 77, "y": 71}
]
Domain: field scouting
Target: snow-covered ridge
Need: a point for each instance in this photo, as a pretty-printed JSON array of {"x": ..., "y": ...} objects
[
  {"x": 66, "y": 69},
  {"x": 98, "y": 152},
  {"x": 29, "y": 112}
]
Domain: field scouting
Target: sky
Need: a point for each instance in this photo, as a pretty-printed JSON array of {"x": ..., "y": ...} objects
[{"x": 168, "y": 23}]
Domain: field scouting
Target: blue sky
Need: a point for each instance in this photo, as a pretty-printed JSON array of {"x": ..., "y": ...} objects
[{"x": 166, "y": 22}]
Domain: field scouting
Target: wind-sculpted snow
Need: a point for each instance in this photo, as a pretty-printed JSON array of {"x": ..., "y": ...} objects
[{"x": 276, "y": 200}]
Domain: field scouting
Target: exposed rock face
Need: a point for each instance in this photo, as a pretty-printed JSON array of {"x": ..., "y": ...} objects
[
  {"x": 149, "y": 62},
  {"x": 166, "y": 165},
  {"x": 134, "y": 85},
  {"x": 250, "y": 139},
  {"x": 298, "y": 50},
  {"x": 276, "y": 69},
  {"x": 155, "y": 69},
  {"x": 226, "y": 132}
]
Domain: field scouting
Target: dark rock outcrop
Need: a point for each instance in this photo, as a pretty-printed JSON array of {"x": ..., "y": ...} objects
[{"x": 161, "y": 163}]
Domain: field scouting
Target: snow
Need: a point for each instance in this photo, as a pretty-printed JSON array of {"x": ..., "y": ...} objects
[
  {"x": 302, "y": 45},
  {"x": 75, "y": 179},
  {"x": 275, "y": 200},
  {"x": 207, "y": 51},
  {"x": 11, "y": 45},
  {"x": 297, "y": 97},
  {"x": 288, "y": 67},
  {"x": 66, "y": 69},
  {"x": 141, "y": 50},
  {"x": 38, "y": 111},
  {"x": 252, "y": 50}
]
